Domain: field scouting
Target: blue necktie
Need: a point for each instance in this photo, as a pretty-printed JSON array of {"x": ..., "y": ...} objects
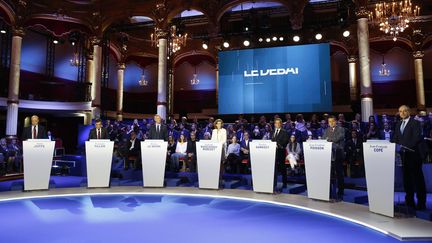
[{"x": 402, "y": 127}]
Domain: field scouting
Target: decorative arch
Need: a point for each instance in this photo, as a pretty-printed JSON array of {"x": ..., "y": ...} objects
[
  {"x": 7, "y": 13},
  {"x": 57, "y": 27},
  {"x": 385, "y": 44},
  {"x": 235, "y": 3},
  {"x": 205, "y": 54}
]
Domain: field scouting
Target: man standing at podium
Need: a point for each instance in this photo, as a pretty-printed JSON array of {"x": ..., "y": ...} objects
[
  {"x": 158, "y": 130},
  {"x": 280, "y": 136},
  {"x": 336, "y": 135},
  {"x": 408, "y": 135},
  {"x": 98, "y": 132},
  {"x": 35, "y": 131}
]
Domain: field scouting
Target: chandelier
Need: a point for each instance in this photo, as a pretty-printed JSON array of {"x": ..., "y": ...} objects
[
  {"x": 175, "y": 40},
  {"x": 394, "y": 17},
  {"x": 384, "y": 71},
  {"x": 195, "y": 80},
  {"x": 75, "y": 61},
  {"x": 142, "y": 81}
]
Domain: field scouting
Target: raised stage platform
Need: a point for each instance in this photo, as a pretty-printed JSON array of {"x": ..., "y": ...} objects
[{"x": 401, "y": 228}]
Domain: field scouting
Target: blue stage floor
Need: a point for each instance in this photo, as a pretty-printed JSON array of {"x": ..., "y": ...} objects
[{"x": 154, "y": 218}]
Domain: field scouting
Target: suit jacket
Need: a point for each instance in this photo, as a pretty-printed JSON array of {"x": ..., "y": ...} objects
[
  {"x": 103, "y": 135},
  {"x": 337, "y": 137},
  {"x": 220, "y": 136},
  {"x": 41, "y": 134},
  {"x": 136, "y": 149},
  {"x": 281, "y": 140},
  {"x": 162, "y": 134},
  {"x": 354, "y": 149},
  {"x": 411, "y": 136}
]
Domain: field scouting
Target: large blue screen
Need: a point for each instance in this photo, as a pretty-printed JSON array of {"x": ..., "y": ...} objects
[{"x": 275, "y": 80}]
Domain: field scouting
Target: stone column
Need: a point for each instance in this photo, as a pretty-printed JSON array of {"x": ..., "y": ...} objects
[
  {"x": 352, "y": 62},
  {"x": 120, "y": 77},
  {"x": 162, "y": 77},
  {"x": 365, "y": 76},
  {"x": 14, "y": 81},
  {"x": 418, "y": 68},
  {"x": 96, "y": 85},
  {"x": 87, "y": 117}
]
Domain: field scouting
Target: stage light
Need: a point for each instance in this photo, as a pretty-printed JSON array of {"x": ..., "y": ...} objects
[
  {"x": 204, "y": 45},
  {"x": 274, "y": 38},
  {"x": 246, "y": 43},
  {"x": 346, "y": 33},
  {"x": 318, "y": 36},
  {"x": 246, "y": 28},
  {"x": 260, "y": 39},
  {"x": 281, "y": 38},
  {"x": 3, "y": 31},
  {"x": 226, "y": 44},
  {"x": 296, "y": 38},
  {"x": 267, "y": 39},
  {"x": 55, "y": 42}
]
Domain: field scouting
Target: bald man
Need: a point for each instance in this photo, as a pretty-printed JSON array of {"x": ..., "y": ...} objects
[
  {"x": 158, "y": 130},
  {"x": 35, "y": 131},
  {"x": 408, "y": 134}
]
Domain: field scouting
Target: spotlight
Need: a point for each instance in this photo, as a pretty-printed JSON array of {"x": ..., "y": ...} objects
[
  {"x": 274, "y": 38},
  {"x": 318, "y": 36},
  {"x": 55, "y": 42},
  {"x": 205, "y": 45},
  {"x": 267, "y": 39},
  {"x": 394, "y": 39},
  {"x": 3, "y": 31},
  {"x": 246, "y": 28},
  {"x": 296, "y": 38},
  {"x": 226, "y": 44},
  {"x": 281, "y": 38},
  {"x": 346, "y": 33},
  {"x": 246, "y": 43},
  {"x": 73, "y": 43},
  {"x": 260, "y": 39}
]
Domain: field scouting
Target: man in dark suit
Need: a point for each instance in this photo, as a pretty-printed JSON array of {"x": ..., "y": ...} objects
[
  {"x": 191, "y": 152},
  {"x": 408, "y": 135},
  {"x": 336, "y": 135},
  {"x": 280, "y": 136},
  {"x": 35, "y": 131},
  {"x": 133, "y": 151},
  {"x": 158, "y": 130},
  {"x": 354, "y": 153},
  {"x": 245, "y": 152},
  {"x": 98, "y": 132}
]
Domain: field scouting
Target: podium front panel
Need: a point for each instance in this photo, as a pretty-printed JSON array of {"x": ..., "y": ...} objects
[
  {"x": 153, "y": 157},
  {"x": 262, "y": 156},
  {"x": 379, "y": 159},
  {"x": 209, "y": 156},
  {"x": 99, "y": 160},
  {"x": 37, "y": 161},
  {"x": 317, "y": 159}
]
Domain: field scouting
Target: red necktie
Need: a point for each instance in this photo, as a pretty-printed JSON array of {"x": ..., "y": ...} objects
[
  {"x": 34, "y": 132},
  {"x": 98, "y": 134}
]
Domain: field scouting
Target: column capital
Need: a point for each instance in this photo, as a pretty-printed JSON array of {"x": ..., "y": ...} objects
[
  {"x": 352, "y": 59},
  {"x": 418, "y": 54},
  {"x": 362, "y": 12},
  {"x": 94, "y": 40},
  {"x": 161, "y": 33},
  {"x": 121, "y": 65},
  {"x": 18, "y": 31}
]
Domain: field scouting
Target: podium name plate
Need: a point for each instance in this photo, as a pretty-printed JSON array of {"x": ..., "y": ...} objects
[
  {"x": 99, "y": 159},
  {"x": 379, "y": 159},
  {"x": 262, "y": 156},
  {"x": 37, "y": 159},
  {"x": 317, "y": 156},
  {"x": 209, "y": 156},
  {"x": 153, "y": 157}
]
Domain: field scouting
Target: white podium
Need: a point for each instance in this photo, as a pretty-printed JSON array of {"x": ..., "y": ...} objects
[
  {"x": 317, "y": 159},
  {"x": 37, "y": 159},
  {"x": 379, "y": 160},
  {"x": 99, "y": 160},
  {"x": 209, "y": 156},
  {"x": 153, "y": 157},
  {"x": 262, "y": 156}
]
